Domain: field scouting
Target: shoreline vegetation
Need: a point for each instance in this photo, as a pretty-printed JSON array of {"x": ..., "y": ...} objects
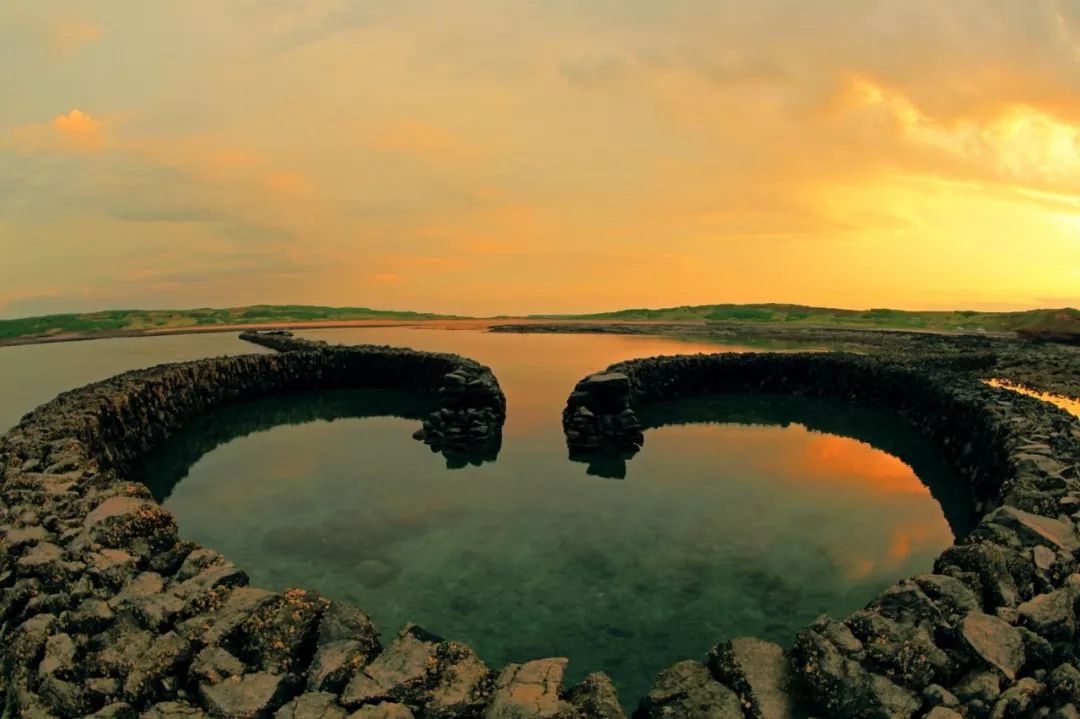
[{"x": 1050, "y": 324}]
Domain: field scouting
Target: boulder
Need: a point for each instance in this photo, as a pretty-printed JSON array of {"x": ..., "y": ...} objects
[
  {"x": 688, "y": 689},
  {"x": 334, "y": 664},
  {"x": 1035, "y": 529},
  {"x": 383, "y": 710},
  {"x": 595, "y": 698},
  {"x": 1051, "y": 615},
  {"x": 759, "y": 672},
  {"x": 530, "y": 691},
  {"x": 995, "y": 642},
  {"x": 248, "y": 696},
  {"x": 173, "y": 710},
  {"x": 312, "y": 705}
]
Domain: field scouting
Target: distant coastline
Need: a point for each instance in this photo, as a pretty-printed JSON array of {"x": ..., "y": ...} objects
[{"x": 1062, "y": 325}]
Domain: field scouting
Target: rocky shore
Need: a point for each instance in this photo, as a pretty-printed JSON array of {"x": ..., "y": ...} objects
[
  {"x": 106, "y": 612},
  {"x": 990, "y": 633},
  {"x": 1038, "y": 365}
]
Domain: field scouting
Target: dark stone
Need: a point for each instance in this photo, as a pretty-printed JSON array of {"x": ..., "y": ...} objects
[
  {"x": 248, "y": 696},
  {"x": 759, "y": 672},
  {"x": 530, "y": 691},
  {"x": 312, "y": 705},
  {"x": 595, "y": 698},
  {"x": 995, "y": 642}
]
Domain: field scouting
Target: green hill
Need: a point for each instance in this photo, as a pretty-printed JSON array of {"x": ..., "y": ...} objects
[
  {"x": 1064, "y": 321},
  {"x": 1063, "y": 324},
  {"x": 141, "y": 320}
]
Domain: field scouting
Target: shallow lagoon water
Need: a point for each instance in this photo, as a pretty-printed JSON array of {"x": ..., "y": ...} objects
[{"x": 741, "y": 515}]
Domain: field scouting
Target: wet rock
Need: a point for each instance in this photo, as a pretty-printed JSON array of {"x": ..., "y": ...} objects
[
  {"x": 687, "y": 689},
  {"x": 64, "y": 698},
  {"x": 275, "y": 635},
  {"x": 334, "y": 663},
  {"x": 987, "y": 562},
  {"x": 116, "y": 710},
  {"x": 116, "y": 651},
  {"x": 362, "y": 689},
  {"x": 943, "y": 713},
  {"x": 759, "y": 672},
  {"x": 1050, "y": 615},
  {"x": 1036, "y": 529},
  {"x": 459, "y": 682},
  {"x": 28, "y": 640},
  {"x": 1065, "y": 683},
  {"x": 936, "y": 695},
  {"x": 248, "y": 696},
  {"x": 144, "y": 599},
  {"x": 224, "y": 620},
  {"x": 119, "y": 521},
  {"x": 342, "y": 621},
  {"x": 59, "y": 656},
  {"x": 383, "y": 710},
  {"x": 993, "y": 641},
  {"x": 403, "y": 666},
  {"x": 173, "y": 710},
  {"x": 841, "y": 686},
  {"x": 1016, "y": 701},
  {"x": 152, "y": 674},
  {"x": 530, "y": 691},
  {"x": 213, "y": 664},
  {"x": 902, "y": 651},
  {"x": 595, "y": 698},
  {"x": 953, "y": 598},
  {"x": 980, "y": 685},
  {"x": 312, "y": 705}
]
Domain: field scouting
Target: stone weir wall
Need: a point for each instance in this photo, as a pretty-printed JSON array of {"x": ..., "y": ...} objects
[
  {"x": 991, "y": 632},
  {"x": 472, "y": 407},
  {"x": 106, "y": 612}
]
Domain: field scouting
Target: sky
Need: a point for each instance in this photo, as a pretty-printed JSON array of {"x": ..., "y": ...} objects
[{"x": 514, "y": 156}]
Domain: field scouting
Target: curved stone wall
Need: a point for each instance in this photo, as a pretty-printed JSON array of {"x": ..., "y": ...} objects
[
  {"x": 467, "y": 427},
  {"x": 990, "y": 633},
  {"x": 106, "y": 612}
]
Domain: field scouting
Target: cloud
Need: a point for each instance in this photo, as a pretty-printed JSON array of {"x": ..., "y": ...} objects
[
  {"x": 504, "y": 155},
  {"x": 74, "y": 131},
  {"x": 69, "y": 35}
]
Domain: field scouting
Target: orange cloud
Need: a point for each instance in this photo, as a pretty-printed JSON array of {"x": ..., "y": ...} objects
[
  {"x": 385, "y": 278},
  {"x": 75, "y": 131}
]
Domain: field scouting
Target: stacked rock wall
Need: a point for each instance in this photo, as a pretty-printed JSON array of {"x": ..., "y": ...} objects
[
  {"x": 472, "y": 408},
  {"x": 105, "y": 611},
  {"x": 992, "y": 632}
]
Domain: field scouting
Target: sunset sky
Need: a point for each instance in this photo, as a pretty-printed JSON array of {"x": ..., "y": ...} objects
[{"x": 514, "y": 156}]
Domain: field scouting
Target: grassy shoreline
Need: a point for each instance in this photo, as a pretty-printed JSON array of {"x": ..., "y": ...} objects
[{"x": 1061, "y": 324}]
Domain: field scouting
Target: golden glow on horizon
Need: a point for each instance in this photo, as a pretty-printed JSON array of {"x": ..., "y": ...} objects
[{"x": 499, "y": 158}]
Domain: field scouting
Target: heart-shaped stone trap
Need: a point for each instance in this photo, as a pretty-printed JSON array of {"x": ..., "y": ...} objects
[{"x": 744, "y": 515}]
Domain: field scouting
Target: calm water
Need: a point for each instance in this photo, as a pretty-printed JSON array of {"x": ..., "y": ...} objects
[{"x": 741, "y": 515}]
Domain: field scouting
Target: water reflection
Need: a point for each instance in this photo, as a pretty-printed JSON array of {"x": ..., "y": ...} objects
[
  {"x": 1070, "y": 405},
  {"x": 717, "y": 533},
  {"x": 166, "y": 466},
  {"x": 886, "y": 456}
]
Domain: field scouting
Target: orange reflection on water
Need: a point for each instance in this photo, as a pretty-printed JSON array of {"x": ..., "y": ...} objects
[
  {"x": 885, "y": 500},
  {"x": 801, "y": 455},
  {"x": 1070, "y": 405}
]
